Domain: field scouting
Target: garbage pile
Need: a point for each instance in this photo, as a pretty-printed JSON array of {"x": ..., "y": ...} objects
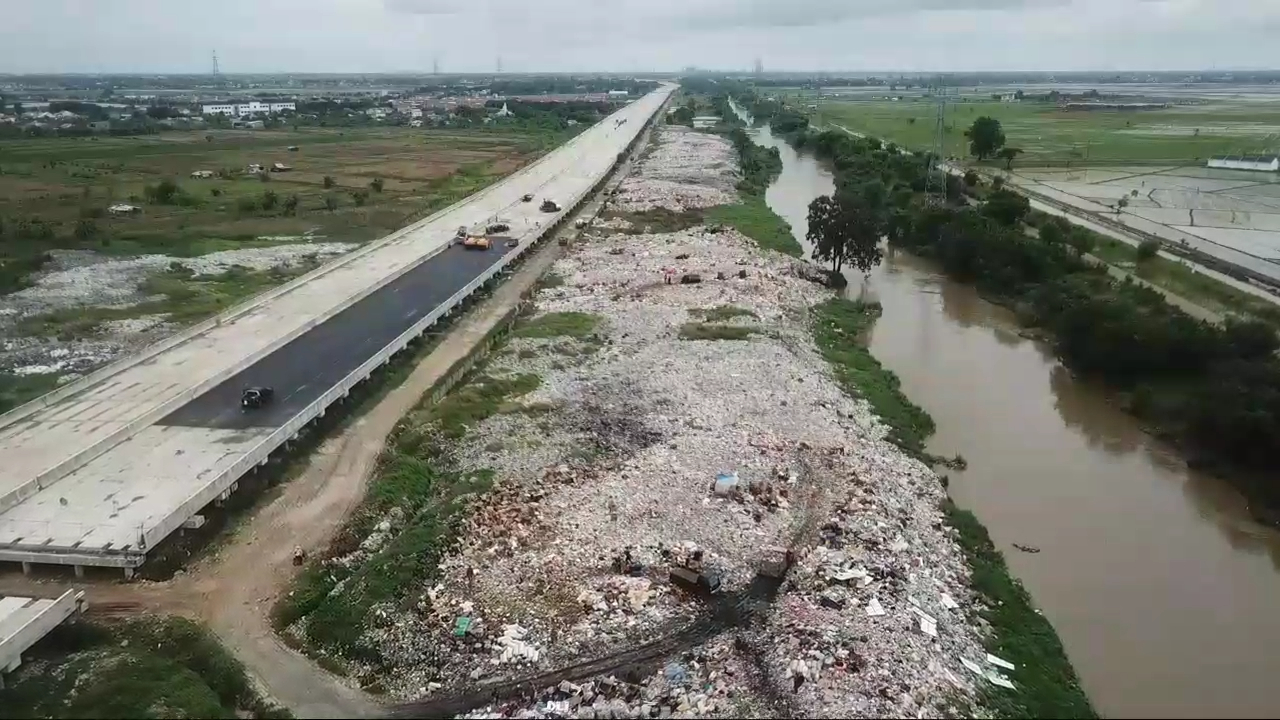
[
  {"x": 685, "y": 471},
  {"x": 685, "y": 169}
]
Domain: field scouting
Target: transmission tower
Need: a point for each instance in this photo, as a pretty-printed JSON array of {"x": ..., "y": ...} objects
[
  {"x": 499, "y": 64},
  {"x": 216, "y": 72},
  {"x": 435, "y": 66},
  {"x": 759, "y": 67},
  {"x": 936, "y": 179}
]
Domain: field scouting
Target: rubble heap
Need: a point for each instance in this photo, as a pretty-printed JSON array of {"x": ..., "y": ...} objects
[
  {"x": 689, "y": 170},
  {"x": 664, "y": 482}
]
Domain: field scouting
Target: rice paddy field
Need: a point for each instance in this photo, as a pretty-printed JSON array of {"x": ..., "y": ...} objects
[{"x": 1184, "y": 134}]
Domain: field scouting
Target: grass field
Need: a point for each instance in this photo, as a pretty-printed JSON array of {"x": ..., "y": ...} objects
[
  {"x": 148, "y": 668},
  {"x": 1177, "y": 135},
  {"x": 54, "y": 192}
]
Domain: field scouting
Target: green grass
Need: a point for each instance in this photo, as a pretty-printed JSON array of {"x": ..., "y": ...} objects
[
  {"x": 755, "y": 219},
  {"x": 1049, "y": 135},
  {"x": 1183, "y": 281},
  {"x": 478, "y": 399},
  {"x": 186, "y": 299},
  {"x": 1047, "y": 686},
  {"x": 559, "y": 324},
  {"x": 416, "y": 475},
  {"x": 839, "y": 329},
  {"x": 17, "y": 390},
  {"x": 721, "y": 313},
  {"x": 711, "y": 331},
  {"x": 149, "y": 668},
  {"x": 64, "y": 183}
]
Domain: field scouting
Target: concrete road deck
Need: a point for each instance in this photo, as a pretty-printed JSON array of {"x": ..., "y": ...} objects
[
  {"x": 99, "y": 472},
  {"x": 24, "y": 621}
]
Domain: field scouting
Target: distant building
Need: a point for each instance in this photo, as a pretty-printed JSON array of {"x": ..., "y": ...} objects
[
  {"x": 100, "y": 125},
  {"x": 202, "y": 175},
  {"x": 123, "y": 209},
  {"x": 616, "y": 94},
  {"x": 1264, "y": 163},
  {"x": 1010, "y": 97},
  {"x": 253, "y": 107},
  {"x": 504, "y": 112}
]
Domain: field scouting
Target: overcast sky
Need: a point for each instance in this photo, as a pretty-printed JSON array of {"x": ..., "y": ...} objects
[{"x": 632, "y": 35}]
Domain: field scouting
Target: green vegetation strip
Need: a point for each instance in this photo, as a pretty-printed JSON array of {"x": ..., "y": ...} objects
[
  {"x": 755, "y": 219},
  {"x": 1047, "y": 684},
  {"x": 839, "y": 328},
  {"x": 559, "y": 324},
  {"x": 721, "y": 313},
  {"x": 150, "y": 668},
  {"x": 712, "y": 331}
]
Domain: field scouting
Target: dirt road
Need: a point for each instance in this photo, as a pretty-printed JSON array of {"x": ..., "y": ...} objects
[{"x": 233, "y": 589}]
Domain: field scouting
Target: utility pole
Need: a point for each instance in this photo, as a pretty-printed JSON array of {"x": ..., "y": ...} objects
[
  {"x": 499, "y": 64},
  {"x": 936, "y": 180},
  {"x": 435, "y": 65},
  {"x": 215, "y": 64}
]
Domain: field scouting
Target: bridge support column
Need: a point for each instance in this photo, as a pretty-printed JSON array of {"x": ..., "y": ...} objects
[
  {"x": 26, "y": 568},
  {"x": 79, "y": 571}
]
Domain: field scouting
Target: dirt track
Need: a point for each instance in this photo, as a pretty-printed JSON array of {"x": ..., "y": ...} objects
[{"x": 234, "y": 589}]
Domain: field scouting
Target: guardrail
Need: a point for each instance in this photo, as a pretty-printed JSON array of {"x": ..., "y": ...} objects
[{"x": 261, "y": 452}]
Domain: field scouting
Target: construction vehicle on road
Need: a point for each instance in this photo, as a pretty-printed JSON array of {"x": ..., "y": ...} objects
[
  {"x": 527, "y": 197},
  {"x": 549, "y": 206},
  {"x": 476, "y": 242}
]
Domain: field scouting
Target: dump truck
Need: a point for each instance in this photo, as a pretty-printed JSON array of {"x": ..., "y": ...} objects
[
  {"x": 549, "y": 206},
  {"x": 476, "y": 242}
]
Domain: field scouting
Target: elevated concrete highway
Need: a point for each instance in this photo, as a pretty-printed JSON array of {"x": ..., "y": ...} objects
[{"x": 103, "y": 469}]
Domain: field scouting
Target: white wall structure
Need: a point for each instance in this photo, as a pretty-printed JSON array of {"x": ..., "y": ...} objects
[
  {"x": 1264, "y": 163},
  {"x": 24, "y": 621},
  {"x": 253, "y": 107}
]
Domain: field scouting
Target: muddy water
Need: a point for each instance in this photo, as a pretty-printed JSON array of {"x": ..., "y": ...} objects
[{"x": 1165, "y": 594}]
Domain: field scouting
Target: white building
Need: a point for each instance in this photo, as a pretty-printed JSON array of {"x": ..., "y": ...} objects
[
  {"x": 253, "y": 107},
  {"x": 616, "y": 94},
  {"x": 1265, "y": 163}
]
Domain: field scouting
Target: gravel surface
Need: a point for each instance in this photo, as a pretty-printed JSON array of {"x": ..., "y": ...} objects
[
  {"x": 85, "y": 279},
  {"x": 607, "y": 478}
]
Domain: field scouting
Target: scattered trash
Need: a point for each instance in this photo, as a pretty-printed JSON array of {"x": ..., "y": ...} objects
[
  {"x": 999, "y": 662},
  {"x": 948, "y": 602},
  {"x": 690, "y": 279},
  {"x": 725, "y": 484},
  {"x": 874, "y": 608}
]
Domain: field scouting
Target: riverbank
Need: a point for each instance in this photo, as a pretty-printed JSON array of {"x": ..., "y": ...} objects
[
  {"x": 603, "y": 425},
  {"x": 1112, "y": 520}
]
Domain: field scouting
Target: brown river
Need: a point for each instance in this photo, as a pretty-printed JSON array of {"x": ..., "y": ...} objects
[{"x": 1164, "y": 592}]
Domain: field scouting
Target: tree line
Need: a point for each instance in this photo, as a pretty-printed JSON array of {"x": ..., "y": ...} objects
[{"x": 1214, "y": 390}]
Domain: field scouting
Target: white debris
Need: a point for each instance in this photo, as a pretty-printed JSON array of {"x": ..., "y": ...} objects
[
  {"x": 874, "y": 608},
  {"x": 612, "y": 485},
  {"x": 1000, "y": 662}
]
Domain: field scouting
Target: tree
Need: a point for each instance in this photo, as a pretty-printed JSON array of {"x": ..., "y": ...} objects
[
  {"x": 163, "y": 193},
  {"x": 17, "y": 109},
  {"x": 1006, "y": 207},
  {"x": 1147, "y": 250},
  {"x": 1008, "y": 154},
  {"x": 291, "y": 205},
  {"x": 847, "y": 227},
  {"x": 376, "y": 185},
  {"x": 1055, "y": 231},
  {"x": 330, "y": 202},
  {"x": 329, "y": 182},
  {"x": 359, "y": 197},
  {"x": 997, "y": 182},
  {"x": 970, "y": 178},
  {"x": 269, "y": 200},
  {"x": 985, "y": 137},
  {"x": 1081, "y": 240},
  {"x": 1121, "y": 204}
]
